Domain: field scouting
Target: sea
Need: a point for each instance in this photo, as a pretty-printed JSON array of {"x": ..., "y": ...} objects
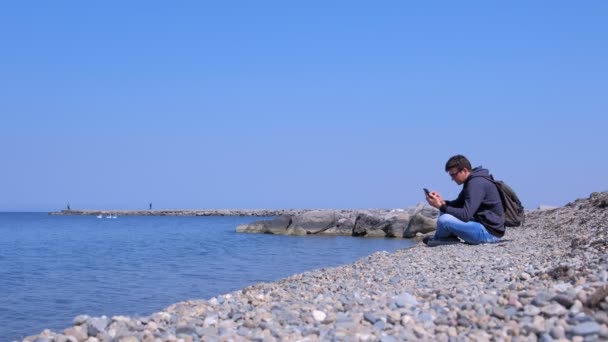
[{"x": 53, "y": 268}]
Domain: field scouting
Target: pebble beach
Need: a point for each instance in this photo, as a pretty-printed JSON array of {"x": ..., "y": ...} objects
[{"x": 547, "y": 281}]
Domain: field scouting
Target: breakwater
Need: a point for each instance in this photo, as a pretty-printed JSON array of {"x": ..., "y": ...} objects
[{"x": 183, "y": 212}]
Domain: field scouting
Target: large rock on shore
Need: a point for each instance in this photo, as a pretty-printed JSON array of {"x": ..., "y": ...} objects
[
  {"x": 275, "y": 226},
  {"x": 366, "y": 223},
  {"x": 369, "y": 225},
  {"x": 419, "y": 224}
]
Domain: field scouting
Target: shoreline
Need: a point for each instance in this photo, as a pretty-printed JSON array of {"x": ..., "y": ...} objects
[{"x": 547, "y": 281}]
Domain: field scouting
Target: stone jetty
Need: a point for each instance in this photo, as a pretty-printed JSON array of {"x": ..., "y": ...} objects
[
  {"x": 184, "y": 212},
  {"x": 548, "y": 281},
  {"x": 405, "y": 223}
]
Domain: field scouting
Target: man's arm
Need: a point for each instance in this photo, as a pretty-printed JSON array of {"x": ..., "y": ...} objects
[{"x": 472, "y": 197}]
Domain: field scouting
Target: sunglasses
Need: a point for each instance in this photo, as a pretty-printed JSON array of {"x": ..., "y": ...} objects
[{"x": 452, "y": 174}]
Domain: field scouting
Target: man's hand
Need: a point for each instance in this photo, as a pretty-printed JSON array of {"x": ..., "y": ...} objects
[{"x": 434, "y": 199}]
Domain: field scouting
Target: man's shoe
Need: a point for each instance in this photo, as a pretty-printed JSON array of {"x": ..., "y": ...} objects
[
  {"x": 427, "y": 238},
  {"x": 440, "y": 242}
]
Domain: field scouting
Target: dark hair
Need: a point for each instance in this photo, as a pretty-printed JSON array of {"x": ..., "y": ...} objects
[{"x": 458, "y": 161}]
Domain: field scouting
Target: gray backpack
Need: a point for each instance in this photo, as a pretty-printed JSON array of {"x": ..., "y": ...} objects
[{"x": 514, "y": 211}]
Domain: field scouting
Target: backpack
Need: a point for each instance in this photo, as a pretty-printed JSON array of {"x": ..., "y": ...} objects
[{"x": 514, "y": 211}]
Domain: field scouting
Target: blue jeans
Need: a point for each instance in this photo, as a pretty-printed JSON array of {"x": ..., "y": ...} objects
[{"x": 471, "y": 232}]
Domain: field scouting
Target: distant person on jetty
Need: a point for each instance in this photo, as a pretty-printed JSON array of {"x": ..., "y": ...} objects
[
  {"x": 150, "y": 206},
  {"x": 476, "y": 216}
]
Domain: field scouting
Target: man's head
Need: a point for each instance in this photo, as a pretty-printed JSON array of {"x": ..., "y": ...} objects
[{"x": 459, "y": 168}]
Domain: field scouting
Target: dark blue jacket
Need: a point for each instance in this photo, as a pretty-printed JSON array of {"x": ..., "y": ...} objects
[{"x": 479, "y": 201}]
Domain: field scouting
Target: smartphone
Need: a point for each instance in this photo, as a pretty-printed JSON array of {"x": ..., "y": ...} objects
[{"x": 426, "y": 191}]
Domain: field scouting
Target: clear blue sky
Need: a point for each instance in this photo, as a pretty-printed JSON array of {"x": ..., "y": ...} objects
[{"x": 297, "y": 104}]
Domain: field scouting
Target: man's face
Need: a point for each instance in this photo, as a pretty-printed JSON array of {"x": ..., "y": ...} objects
[{"x": 458, "y": 176}]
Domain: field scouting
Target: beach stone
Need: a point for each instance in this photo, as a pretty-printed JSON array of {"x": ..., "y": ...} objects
[
  {"x": 210, "y": 321},
  {"x": 96, "y": 325},
  {"x": 564, "y": 300},
  {"x": 554, "y": 310},
  {"x": 319, "y": 315},
  {"x": 562, "y": 287},
  {"x": 499, "y": 312},
  {"x": 388, "y": 339},
  {"x": 185, "y": 329},
  {"x": 129, "y": 339},
  {"x": 558, "y": 332},
  {"x": 576, "y": 307},
  {"x": 405, "y": 299},
  {"x": 370, "y": 317},
  {"x": 78, "y": 331},
  {"x": 379, "y": 325},
  {"x": 43, "y": 339},
  {"x": 531, "y": 310},
  {"x": 542, "y": 298},
  {"x": 586, "y": 328},
  {"x": 80, "y": 319},
  {"x": 117, "y": 329}
]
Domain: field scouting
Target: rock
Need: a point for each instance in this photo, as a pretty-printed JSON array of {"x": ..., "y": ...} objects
[
  {"x": 79, "y": 332},
  {"x": 419, "y": 224},
  {"x": 562, "y": 287},
  {"x": 499, "y": 312},
  {"x": 129, "y": 339},
  {"x": 185, "y": 329},
  {"x": 370, "y": 317},
  {"x": 276, "y": 226},
  {"x": 564, "y": 300},
  {"x": 405, "y": 300},
  {"x": 554, "y": 310},
  {"x": 96, "y": 325},
  {"x": 397, "y": 225},
  {"x": 210, "y": 321},
  {"x": 558, "y": 332},
  {"x": 316, "y": 221},
  {"x": 367, "y": 225},
  {"x": 319, "y": 316},
  {"x": 531, "y": 310},
  {"x": 524, "y": 276},
  {"x": 586, "y": 328},
  {"x": 80, "y": 319},
  {"x": 117, "y": 329},
  {"x": 344, "y": 226},
  {"x": 43, "y": 339},
  {"x": 297, "y": 231}
]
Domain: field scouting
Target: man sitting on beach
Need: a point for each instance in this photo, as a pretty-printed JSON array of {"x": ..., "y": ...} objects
[{"x": 476, "y": 216}]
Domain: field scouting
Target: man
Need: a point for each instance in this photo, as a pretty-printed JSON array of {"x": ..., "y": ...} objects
[{"x": 476, "y": 216}]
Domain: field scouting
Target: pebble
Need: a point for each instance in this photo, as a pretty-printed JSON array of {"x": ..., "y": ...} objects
[
  {"x": 319, "y": 315},
  {"x": 540, "y": 285},
  {"x": 554, "y": 310},
  {"x": 586, "y": 328}
]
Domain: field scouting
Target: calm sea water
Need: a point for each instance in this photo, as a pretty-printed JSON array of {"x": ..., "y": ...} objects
[{"x": 53, "y": 268}]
